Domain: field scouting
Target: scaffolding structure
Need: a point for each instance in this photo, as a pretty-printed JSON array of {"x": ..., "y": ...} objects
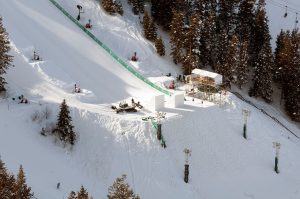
[{"x": 205, "y": 85}]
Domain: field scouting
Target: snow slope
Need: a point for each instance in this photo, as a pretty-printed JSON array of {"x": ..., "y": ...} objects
[{"x": 223, "y": 164}]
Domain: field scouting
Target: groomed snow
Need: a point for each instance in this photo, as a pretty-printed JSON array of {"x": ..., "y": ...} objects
[{"x": 223, "y": 163}]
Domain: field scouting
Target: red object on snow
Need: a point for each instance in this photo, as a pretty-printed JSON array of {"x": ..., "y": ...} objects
[
  {"x": 134, "y": 57},
  {"x": 172, "y": 85},
  {"x": 88, "y": 26}
]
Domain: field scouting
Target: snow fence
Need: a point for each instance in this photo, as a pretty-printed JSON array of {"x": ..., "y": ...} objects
[{"x": 107, "y": 49}]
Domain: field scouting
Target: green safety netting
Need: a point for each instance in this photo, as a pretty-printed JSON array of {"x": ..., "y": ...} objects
[
  {"x": 107, "y": 49},
  {"x": 154, "y": 124}
]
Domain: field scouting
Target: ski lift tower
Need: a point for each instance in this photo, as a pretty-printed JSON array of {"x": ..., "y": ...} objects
[
  {"x": 79, "y": 7},
  {"x": 246, "y": 114},
  {"x": 159, "y": 116},
  {"x": 186, "y": 166},
  {"x": 276, "y": 145}
]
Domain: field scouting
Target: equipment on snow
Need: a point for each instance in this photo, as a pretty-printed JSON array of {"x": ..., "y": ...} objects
[
  {"x": 172, "y": 85},
  {"x": 36, "y": 57},
  {"x": 88, "y": 25},
  {"x": 124, "y": 107},
  {"x": 79, "y": 7},
  {"x": 134, "y": 57},
  {"x": 285, "y": 14},
  {"x": 76, "y": 89}
]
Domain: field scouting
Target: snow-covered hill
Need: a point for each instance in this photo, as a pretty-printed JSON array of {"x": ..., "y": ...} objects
[{"x": 223, "y": 163}]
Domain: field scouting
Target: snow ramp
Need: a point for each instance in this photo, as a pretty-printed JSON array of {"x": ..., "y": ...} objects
[{"x": 70, "y": 56}]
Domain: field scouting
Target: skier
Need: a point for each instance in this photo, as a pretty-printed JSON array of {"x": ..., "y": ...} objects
[
  {"x": 35, "y": 56},
  {"x": 88, "y": 25},
  {"x": 134, "y": 57}
]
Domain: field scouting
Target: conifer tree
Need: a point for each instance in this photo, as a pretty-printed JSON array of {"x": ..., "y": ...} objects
[
  {"x": 141, "y": 6},
  {"x": 162, "y": 12},
  {"x": 119, "y": 7},
  {"x": 146, "y": 24},
  {"x": 192, "y": 44},
  {"x": 112, "y": 6},
  {"x": 291, "y": 83},
  {"x": 135, "y": 7},
  {"x": 222, "y": 46},
  {"x": 227, "y": 15},
  {"x": 72, "y": 195},
  {"x": 121, "y": 190},
  {"x": 263, "y": 74},
  {"x": 246, "y": 20},
  {"x": 232, "y": 61},
  {"x": 64, "y": 127},
  {"x": 261, "y": 32},
  {"x": 152, "y": 31},
  {"x": 109, "y": 6},
  {"x": 262, "y": 57},
  {"x": 5, "y": 58},
  {"x": 177, "y": 37},
  {"x": 6, "y": 183},
  {"x": 242, "y": 68},
  {"x": 82, "y": 194},
  {"x": 282, "y": 56},
  {"x": 22, "y": 191},
  {"x": 208, "y": 41},
  {"x": 149, "y": 27},
  {"x": 160, "y": 47}
]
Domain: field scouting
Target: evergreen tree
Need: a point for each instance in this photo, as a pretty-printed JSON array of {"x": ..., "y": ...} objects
[
  {"x": 291, "y": 84},
  {"x": 22, "y": 191},
  {"x": 242, "y": 68},
  {"x": 246, "y": 20},
  {"x": 261, "y": 33},
  {"x": 109, "y": 6},
  {"x": 262, "y": 57},
  {"x": 135, "y": 7},
  {"x": 141, "y": 6},
  {"x": 82, "y": 194},
  {"x": 177, "y": 37},
  {"x": 5, "y": 58},
  {"x": 146, "y": 24},
  {"x": 112, "y": 6},
  {"x": 160, "y": 47},
  {"x": 192, "y": 44},
  {"x": 284, "y": 60},
  {"x": 278, "y": 66},
  {"x": 64, "y": 127},
  {"x": 149, "y": 27},
  {"x": 222, "y": 47},
  {"x": 121, "y": 190},
  {"x": 72, "y": 195},
  {"x": 6, "y": 183},
  {"x": 227, "y": 16},
  {"x": 162, "y": 12},
  {"x": 263, "y": 74},
  {"x": 208, "y": 41},
  {"x": 232, "y": 61},
  {"x": 152, "y": 31},
  {"x": 119, "y": 7}
]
